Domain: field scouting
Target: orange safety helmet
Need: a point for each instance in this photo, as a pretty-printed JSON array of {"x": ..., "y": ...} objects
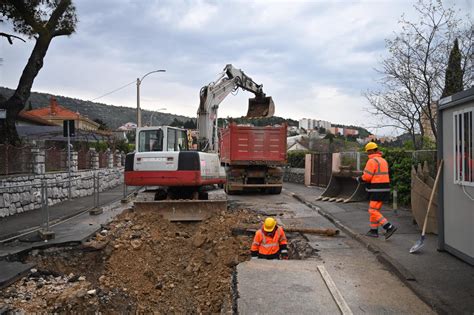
[{"x": 269, "y": 224}]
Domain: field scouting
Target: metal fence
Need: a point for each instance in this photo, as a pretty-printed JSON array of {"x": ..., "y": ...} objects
[
  {"x": 55, "y": 159},
  {"x": 15, "y": 160},
  {"x": 321, "y": 164},
  {"x": 103, "y": 158},
  {"x": 83, "y": 159},
  {"x": 39, "y": 192},
  {"x": 352, "y": 161}
]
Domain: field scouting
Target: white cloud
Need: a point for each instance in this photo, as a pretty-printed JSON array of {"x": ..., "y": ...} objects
[{"x": 313, "y": 57}]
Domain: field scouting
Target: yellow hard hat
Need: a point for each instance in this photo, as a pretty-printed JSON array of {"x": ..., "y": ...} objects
[
  {"x": 269, "y": 224},
  {"x": 370, "y": 146}
]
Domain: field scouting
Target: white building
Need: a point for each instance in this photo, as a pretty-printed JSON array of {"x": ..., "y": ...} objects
[{"x": 309, "y": 124}]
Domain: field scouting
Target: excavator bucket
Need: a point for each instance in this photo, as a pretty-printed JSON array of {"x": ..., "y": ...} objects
[
  {"x": 344, "y": 188},
  {"x": 260, "y": 107},
  {"x": 178, "y": 209},
  {"x": 183, "y": 210}
]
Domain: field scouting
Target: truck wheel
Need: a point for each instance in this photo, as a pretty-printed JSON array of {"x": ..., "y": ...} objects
[{"x": 274, "y": 190}]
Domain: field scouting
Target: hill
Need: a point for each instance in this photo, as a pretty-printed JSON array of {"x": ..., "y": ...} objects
[{"x": 113, "y": 116}]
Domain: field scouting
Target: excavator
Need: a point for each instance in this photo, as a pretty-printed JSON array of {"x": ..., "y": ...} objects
[{"x": 175, "y": 177}]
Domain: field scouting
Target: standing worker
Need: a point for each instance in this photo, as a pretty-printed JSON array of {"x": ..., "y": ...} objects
[
  {"x": 269, "y": 241},
  {"x": 377, "y": 178}
]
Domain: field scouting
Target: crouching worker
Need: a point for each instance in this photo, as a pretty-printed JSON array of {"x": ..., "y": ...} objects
[{"x": 269, "y": 241}]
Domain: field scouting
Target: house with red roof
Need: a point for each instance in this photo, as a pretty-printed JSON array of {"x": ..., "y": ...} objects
[{"x": 56, "y": 114}]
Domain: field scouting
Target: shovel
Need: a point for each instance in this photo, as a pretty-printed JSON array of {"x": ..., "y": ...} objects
[{"x": 419, "y": 244}]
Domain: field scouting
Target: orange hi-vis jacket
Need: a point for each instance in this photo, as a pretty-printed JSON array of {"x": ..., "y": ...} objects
[
  {"x": 268, "y": 246},
  {"x": 376, "y": 174}
]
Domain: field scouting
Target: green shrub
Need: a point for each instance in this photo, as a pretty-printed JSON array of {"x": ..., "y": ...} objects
[
  {"x": 400, "y": 163},
  {"x": 99, "y": 146}
]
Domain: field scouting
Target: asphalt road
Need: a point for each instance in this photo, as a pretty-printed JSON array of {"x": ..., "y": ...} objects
[{"x": 364, "y": 284}]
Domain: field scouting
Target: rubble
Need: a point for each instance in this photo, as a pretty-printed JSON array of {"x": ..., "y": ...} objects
[{"x": 141, "y": 264}]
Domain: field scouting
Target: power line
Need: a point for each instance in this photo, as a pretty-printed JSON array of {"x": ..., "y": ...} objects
[{"x": 118, "y": 89}]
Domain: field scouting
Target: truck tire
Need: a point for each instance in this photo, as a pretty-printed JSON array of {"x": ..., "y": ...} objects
[{"x": 274, "y": 190}]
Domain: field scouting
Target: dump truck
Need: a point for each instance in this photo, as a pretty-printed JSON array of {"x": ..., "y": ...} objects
[{"x": 253, "y": 158}]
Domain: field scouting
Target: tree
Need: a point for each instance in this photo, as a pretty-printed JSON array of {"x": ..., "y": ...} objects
[
  {"x": 413, "y": 72},
  {"x": 41, "y": 20},
  {"x": 10, "y": 37},
  {"x": 453, "y": 77},
  {"x": 176, "y": 123},
  {"x": 102, "y": 124},
  {"x": 190, "y": 124}
]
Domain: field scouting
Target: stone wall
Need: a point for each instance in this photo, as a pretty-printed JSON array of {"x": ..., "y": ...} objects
[
  {"x": 23, "y": 193},
  {"x": 294, "y": 175}
]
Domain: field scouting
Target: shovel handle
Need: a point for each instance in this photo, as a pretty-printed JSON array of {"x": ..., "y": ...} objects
[{"x": 431, "y": 197}]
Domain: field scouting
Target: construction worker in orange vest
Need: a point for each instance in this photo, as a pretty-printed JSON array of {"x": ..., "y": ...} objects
[
  {"x": 378, "y": 185},
  {"x": 269, "y": 241}
]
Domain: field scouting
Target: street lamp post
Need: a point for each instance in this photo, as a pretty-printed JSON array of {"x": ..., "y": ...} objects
[
  {"x": 139, "y": 111},
  {"x": 154, "y": 112}
]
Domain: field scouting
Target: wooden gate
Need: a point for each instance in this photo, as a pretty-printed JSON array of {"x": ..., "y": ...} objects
[{"x": 321, "y": 165}]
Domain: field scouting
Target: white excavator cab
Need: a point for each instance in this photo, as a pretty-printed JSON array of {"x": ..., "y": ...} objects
[{"x": 163, "y": 138}]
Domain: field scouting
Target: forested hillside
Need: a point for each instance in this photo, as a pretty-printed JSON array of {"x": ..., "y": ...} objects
[{"x": 113, "y": 116}]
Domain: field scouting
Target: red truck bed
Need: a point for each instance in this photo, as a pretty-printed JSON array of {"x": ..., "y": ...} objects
[{"x": 245, "y": 145}]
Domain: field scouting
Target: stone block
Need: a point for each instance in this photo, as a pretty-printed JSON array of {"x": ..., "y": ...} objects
[
  {"x": 12, "y": 209},
  {"x": 15, "y": 197}
]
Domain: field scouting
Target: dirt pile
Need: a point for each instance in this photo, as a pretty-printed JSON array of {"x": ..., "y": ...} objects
[{"x": 140, "y": 262}]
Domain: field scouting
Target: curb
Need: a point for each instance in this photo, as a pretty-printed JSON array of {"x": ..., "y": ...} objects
[{"x": 394, "y": 266}]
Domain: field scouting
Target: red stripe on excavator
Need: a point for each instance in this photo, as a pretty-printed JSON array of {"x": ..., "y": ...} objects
[{"x": 169, "y": 178}]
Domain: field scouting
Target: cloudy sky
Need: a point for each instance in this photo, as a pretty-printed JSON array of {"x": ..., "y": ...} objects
[{"x": 314, "y": 58}]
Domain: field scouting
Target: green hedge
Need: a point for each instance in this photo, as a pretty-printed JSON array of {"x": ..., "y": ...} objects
[
  {"x": 400, "y": 163},
  {"x": 297, "y": 158}
]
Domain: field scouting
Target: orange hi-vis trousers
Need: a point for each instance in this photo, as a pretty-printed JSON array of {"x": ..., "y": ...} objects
[{"x": 376, "y": 218}]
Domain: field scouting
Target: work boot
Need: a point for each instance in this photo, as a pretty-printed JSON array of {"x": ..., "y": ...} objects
[
  {"x": 373, "y": 233},
  {"x": 390, "y": 230}
]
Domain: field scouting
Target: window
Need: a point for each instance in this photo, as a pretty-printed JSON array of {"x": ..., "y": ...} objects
[
  {"x": 172, "y": 140},
  {"x": 182, "y": 140},
  {"x": 150, "y": 140},
  {"x": 463, "y": 147}
]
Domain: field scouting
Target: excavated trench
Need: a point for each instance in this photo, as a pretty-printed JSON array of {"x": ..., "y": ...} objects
[
  {"x": 138, "y": 263},
  {"x": 142, "y": 263}
]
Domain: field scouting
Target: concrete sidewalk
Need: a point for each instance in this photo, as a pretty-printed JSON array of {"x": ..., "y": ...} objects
[
  {"x": 26, "y": 221},
  {"x": 440, "y": 279}
]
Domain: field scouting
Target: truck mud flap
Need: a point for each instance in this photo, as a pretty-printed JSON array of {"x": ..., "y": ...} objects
[
  {"x": 183, "y": 210},
  {"x": 344, "y": 189}
]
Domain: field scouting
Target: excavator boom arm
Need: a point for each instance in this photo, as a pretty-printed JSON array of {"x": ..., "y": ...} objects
[{"x": 214, "y": 93}]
